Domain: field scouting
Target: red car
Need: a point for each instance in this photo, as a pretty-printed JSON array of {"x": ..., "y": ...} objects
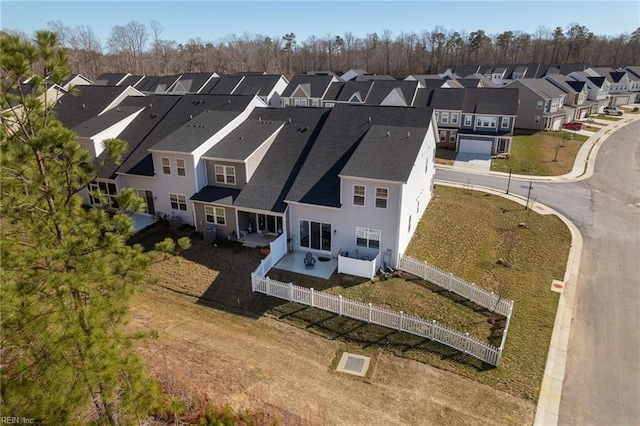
[{"x": 573, "y": 125}]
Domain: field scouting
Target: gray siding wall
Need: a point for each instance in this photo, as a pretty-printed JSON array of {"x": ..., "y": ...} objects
[
  {"x": 240, "y": 168},
  {"x": 223, "y": 231},
  {"x": 527, "y": 110}
]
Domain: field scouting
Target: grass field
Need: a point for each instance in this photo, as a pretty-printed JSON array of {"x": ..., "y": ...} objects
[
  {"x": 445, "y": 156},
  {"x": 541, "y": 154}
]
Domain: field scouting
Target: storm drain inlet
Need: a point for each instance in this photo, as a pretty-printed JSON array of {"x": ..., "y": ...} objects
[{"x": 354, "y": 364}]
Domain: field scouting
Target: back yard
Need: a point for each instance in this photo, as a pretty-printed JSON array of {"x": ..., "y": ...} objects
[{"x": 256, "y": 352}]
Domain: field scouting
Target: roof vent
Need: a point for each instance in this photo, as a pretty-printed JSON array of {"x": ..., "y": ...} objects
[
  {"x": 369, "y": 119},
  {"x": 289, "y": 121},
  {"x": 408, "y": 134},
  {"x": 118, "y": 109},
  {"x": 150, "y": 105},
  {"x": 388, "y": 134},
  {"x": 260, "y": 119},
  {"x": 228, "y": 101},
  {"x": 83, "y": 107},
  {"x": 190, "y": 117}
]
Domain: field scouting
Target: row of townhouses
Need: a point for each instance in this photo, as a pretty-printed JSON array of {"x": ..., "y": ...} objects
[{"x": 336, "y": 163}]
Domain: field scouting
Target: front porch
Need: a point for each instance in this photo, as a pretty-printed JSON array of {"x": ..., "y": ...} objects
[{"x": 294, "y": 262}]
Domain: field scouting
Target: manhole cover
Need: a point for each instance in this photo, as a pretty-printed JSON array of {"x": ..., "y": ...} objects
[{"x": 353, "y": 364}]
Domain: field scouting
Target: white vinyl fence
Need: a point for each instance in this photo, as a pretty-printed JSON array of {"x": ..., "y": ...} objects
[
  {"x": 450, "y": 282},
  {"x": 376, "y": 315}
]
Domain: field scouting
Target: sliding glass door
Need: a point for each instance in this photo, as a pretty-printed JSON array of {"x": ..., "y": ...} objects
[{"x": 315, "y": 235}]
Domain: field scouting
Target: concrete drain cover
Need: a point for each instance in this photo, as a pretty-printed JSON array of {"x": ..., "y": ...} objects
[{"x": 353, "y": 364}]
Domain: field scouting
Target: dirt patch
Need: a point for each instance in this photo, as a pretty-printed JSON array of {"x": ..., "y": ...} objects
[{"x": 285, "y": 372}]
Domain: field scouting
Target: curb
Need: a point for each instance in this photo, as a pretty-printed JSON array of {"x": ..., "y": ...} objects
[
  {"x": 583, "y": 165},
  {"x": 548, "y": 407}
]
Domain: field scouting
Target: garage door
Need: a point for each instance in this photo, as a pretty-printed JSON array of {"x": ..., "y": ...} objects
[
  {"x": 557, "y": 123},
  {"x": 470, "y": 146},
  {"x": 622, "y": 100}
]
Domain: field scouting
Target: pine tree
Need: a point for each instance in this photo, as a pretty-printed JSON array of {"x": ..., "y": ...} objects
[{"x": 67, "y": 271}]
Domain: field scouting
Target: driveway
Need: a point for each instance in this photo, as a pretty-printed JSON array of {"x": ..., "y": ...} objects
[{"x": 472, "y": 162}]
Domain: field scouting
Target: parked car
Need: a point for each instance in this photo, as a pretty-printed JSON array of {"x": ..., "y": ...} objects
[
  {"x": 613, "y": 111},
  {"x": 573, "y": 125}
]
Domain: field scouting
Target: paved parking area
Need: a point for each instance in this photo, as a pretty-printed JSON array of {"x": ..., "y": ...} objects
[{"x": 476, "y": 162}]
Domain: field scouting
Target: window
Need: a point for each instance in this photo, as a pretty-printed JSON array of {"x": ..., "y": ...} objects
[
  {"x": 536, "y": 120},
  {"x": 358, "y": 195},
  {"x": 315, "y": 235},
  {"x": 539, "y": 105},
  {"x": 166, "y": 166},
  {"x": 437, "y": 116},
  {"x": 486, "y": 122},
  {"x": 215, "y": 215},
  {"x": 445, "y": 118},
  {"x": 285, "y": 102},
  {"x": 225, "y": 174},
  {"x": 330, "y": 104},
  {"x": 382, "y": 194},
  {"x": 315, "y": 102},
  {"x": 505, "y": 122},
  {"x": 147, "y": 196},
  {"x": 454, "y": 118},
  {"x": 467, "y": 120},
  {"x": 178, "y": 202},
  {"x": 303, "y": 102},
  {"x": 105, "y": 189},
  {"x": 180, "y": 169},
  {"x": 369, "y": 238},
  {"x": 443, "y": 136},
  {"x": 296, "y": 102}
]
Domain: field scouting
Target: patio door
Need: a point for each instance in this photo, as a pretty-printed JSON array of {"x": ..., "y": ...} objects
[
  {"x": 315, "y": 235},
  {"x": 147, "y": 196}
]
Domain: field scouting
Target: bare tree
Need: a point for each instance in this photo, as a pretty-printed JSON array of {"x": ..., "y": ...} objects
[{"x": 129, "y": 42}]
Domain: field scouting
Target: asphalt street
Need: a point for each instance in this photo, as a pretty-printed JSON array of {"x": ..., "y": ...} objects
[{"x": 602, "y": 376}]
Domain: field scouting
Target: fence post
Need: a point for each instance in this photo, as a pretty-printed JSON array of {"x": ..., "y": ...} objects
[
  {"x": 312, "y": 298},
  {"x": 401, "y": 321},
  {"x": 253, "y": 282},
  {"x": 450, "y": 280},
  {"x": 290, "y": 292},
  {"x": 472, "y": 292},
  {"x": 340, "y": 305},
  {"x": 370, "y": 308},
  {"x": 268, "y": 286}
]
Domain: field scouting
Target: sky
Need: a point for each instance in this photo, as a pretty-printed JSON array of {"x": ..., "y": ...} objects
[{"x": 214, "y": 20}]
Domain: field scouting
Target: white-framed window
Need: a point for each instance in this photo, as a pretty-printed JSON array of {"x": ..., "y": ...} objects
[
  {"x": 504, "y": 122},
  {"x": 454, "y": 118},
  {"x": 225, "y": 174},
  {"x": 539, "y": 105},
  {"x": 215, "y": 215},
  {"x": 296, "y": 102},
  {"x": 104, "y": 188},
  {"x": 358, "y": 195},
  {"x": 467, "y": 120},
  {"x": 486, "y": 122},
  {"x": 303, "y": 102},
  {"x": 445, "y": 118},
  {"x": 536, "y": 119},
  {"x": 315, "y": 102},
  {"x": 443, "y": 135},
  {"x": 178, "y": 202},
  {"x": 382, "y": 196},
  {"x": 285, "y": 102},
  {"x": 180, "y": 167},
  {"x": 369, "y": 238},
  {"x": 166, "y": 166}
]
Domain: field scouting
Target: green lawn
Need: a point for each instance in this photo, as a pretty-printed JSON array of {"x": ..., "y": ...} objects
[
  {"x": 445, "y": 156},
  {"x": 541, "y": 153},
  {"x": 607, "y": 117},
  {"x": 464, "y": 232}
]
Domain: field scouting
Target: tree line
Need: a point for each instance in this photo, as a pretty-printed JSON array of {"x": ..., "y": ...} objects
[{"x": 140, "y": 49}]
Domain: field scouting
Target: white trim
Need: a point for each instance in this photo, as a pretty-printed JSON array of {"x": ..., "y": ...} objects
[
  {"x": 225, "y": 174},
  {"x": 163, "y": 165},
  {"x": 178, "y": 202},
  {"x": 364, "y": 195},
  {"x": 184, "y": 167},
  {"x": 386, "y": 198}
]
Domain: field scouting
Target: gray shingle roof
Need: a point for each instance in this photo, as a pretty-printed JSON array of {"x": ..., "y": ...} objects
[
  {"x": 194, "y": 133},
  {"x": 73, "y": 109},
  {"x": 186, "y": 105},
  {"x": 382, "y": 88},
  {"x": 244, "y": 139},
  {"x": 276, "y": 173},
  {"x": 257, "y": 84},
  {"x": 110, "y": 78},
  {"x": 225, "y": 85},
  {"x": 102, "y": 122},
  {"x": 378, "y": 155},
  {"x": 156, "y": 107},
  {"x": 218, "y": 195},
  {"x": 541, "y": 86},
  {"x": 132, "y": 80},
  {"x": 503, "y": 101},
  {"x": 318, "y": 181},
  {"x": 157, "y": 84},
  {"x": 318, "y": 84},
  {"x": 190, "y": 82}
]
